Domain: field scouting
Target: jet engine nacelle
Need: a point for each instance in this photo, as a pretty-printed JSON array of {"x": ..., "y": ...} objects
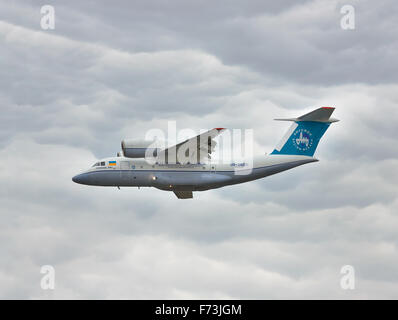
[{"x": 135, "y": 148}]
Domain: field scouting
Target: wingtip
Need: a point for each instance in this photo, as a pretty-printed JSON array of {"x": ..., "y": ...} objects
[{"x": 328, "y": 108}]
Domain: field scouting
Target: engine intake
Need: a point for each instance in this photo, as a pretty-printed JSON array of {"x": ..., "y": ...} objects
[{"x": 133, "y": 148}]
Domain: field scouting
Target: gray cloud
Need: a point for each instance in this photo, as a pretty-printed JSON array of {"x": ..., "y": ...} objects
[{"x": 68, "y": 97}]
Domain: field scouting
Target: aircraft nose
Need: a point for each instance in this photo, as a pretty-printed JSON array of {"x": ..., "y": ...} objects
[{"x": 79, "y": 178}]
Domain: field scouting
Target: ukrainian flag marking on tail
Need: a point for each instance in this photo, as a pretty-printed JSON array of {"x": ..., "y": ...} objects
[{"x": 303, "y": 136}]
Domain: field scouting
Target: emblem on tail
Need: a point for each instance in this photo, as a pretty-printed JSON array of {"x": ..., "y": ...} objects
[{"x": 303, "y": 141}]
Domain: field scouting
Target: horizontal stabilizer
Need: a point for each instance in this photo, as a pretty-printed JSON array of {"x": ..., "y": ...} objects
[{"x": 319, "y": 115}]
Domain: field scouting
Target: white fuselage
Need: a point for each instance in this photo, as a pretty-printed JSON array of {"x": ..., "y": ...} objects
[{"x": 130, "y": 172}]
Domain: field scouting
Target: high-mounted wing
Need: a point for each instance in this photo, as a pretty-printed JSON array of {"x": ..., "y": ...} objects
[
  {"x": 184, "y": 194},
  {"x": 192, "y": 150}
]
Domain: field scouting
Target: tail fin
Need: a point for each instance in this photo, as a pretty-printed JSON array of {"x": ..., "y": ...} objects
[{"x": 303, "y": 136}]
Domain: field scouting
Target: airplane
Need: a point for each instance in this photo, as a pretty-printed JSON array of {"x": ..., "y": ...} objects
[{"x": 131, "y": 168}]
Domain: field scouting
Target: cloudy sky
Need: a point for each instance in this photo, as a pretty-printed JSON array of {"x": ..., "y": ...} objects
[{"x": 68, "y": 96}]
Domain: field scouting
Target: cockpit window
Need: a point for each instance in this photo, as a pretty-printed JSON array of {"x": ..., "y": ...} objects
[
  {"x": 102, "y": 163},
  {"x": 96, "y": 164}
]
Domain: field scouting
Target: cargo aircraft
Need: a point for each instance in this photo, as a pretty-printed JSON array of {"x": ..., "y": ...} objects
[{"x": 140, "y": 164}]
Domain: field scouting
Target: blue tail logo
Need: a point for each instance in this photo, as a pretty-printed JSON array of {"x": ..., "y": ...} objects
[{"x": 302, "y": 139}]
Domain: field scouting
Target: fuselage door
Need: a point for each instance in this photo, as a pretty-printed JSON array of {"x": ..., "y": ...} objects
[
  {"x": 125, "y": 172},
  {"x": 124, "y": 165}
]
